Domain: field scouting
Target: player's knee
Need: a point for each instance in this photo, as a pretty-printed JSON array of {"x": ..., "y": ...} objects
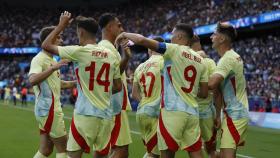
[
  {"x": 122, "y": 152},
  {"x": 46, "y": 151},
  {"x": 210, "y": 148}
]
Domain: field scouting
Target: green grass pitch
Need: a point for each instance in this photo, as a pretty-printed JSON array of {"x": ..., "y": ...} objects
[{"x": 19, "y": 136}]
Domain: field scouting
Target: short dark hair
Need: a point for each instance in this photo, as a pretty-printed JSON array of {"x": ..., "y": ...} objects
[
  {"x": 105, "y": 19},
  {"x": 87, "y": 23},
  {"x": 45, "y": 32},
  {"x": 227, "y": 30},
  {"x": 158, "y": 38},
  {"x": 187, "y": 29}
]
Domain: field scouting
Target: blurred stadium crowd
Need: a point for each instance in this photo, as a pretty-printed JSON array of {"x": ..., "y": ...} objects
[
  {"x": 261, "y": 55},
  {"x": 144, "y": 17}
]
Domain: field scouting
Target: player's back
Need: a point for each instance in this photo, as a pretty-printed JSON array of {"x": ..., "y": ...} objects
[
  {"x": 95, "y": 68},
  {"x": 184, "y": 69},
  {"x": 148, "y": 76}
]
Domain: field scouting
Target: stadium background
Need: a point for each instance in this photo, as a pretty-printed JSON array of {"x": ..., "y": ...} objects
[{"x": 257, "y": 22}]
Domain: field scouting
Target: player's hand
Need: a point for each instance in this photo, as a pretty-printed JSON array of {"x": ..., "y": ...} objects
[
  {"x": 119, "y": 39},
  {"x": 65, "y": 19},
  {"x": 124, "y": 42},
  {"x": 217, "y": 122},
  {"x": 63, "y": 62}
]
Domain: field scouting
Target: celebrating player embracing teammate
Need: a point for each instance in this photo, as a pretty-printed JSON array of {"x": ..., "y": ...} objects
[{"x": 172, "y": 86}]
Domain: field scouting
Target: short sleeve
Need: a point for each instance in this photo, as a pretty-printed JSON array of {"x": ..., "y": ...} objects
[
  {"x": 224, "y": 67},
  {"x": 36, "y": 66},
  {"x": 68, "y": 52},
  {"x": 170, "y": 49},
  {"x": 211, "y": 67},
  {"x": 204, "y": 74}
]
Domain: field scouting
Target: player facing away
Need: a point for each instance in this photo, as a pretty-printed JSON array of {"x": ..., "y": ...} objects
[
  {"x": 147, "y": 90},
  {"x": 44, "y": 77},
  {"x": 111, "y": 27},
  {"x": 98, "y": 74},
  {"x": 184, "y": 78},
  {"x": 229, "y": 78},
  {"x": 207, "y": 110}
]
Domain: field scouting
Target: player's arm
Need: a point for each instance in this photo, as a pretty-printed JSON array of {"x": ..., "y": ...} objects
[
  {"x": 68, "y": 84},
  {"x": 36, "y": 78},
  {"x": 215, "y": 81},
  {"x": 136, "y": 91},
  {"x": 141, "y": 40},
  {"x": 49, "y": 43},
  {"x": 218, "y": 102},
  {"x": 117, "y": 85},
  {"x": 127, "y": 55},
  {"x": 203, "y": 90}
]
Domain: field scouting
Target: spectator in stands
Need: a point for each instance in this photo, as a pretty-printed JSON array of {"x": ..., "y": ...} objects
[
  {"x": 14, "y": 92},
  {"x": 2, "y": 93},
  {"x": 24, "y": 96},
  {"x": 7, "y": 95},
  {"x": 262, "y": 66},
  {"x": 145, "y": 17}
]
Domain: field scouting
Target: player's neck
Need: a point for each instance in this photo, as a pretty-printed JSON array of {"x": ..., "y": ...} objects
[
  {"x": 88, "y": 41},
  {"x": 106, "y": 36},
  {"x": 223, "y": 49}
]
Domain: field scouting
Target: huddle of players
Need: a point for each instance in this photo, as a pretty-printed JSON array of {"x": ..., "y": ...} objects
[{"x": 176, "y": 108}]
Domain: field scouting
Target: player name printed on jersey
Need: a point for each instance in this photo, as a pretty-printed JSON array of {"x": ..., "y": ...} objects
[
  {"x": 100, "y": 54},
  {"x": 191, "y": 57}
]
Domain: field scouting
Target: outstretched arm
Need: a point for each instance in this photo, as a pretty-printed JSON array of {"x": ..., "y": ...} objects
[{"x": 140, "y": 40}]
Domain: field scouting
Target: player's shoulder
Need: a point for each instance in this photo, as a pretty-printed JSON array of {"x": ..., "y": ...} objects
[
  {"x": 72, "y": 47},
  {"x": 110, "y": 54},
  {"x": 140, "y": 67},
  {"x": 97, "y": 48},
  {"x": 39, "y": 57},
  {"x": 172, "y": 46},
  {"x": 107, "y": 44},
  {"x": 231, "y": 54},
  {"x": 210, "y": 61},
  {"x": 231, "y": 57}
]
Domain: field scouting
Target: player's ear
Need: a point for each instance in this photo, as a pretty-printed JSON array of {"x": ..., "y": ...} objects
[
  {"x": 222, "y": 38},
  {"x": 82, "y": 32}
]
